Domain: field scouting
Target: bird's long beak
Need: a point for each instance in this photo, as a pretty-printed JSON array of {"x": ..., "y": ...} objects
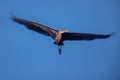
[{"x": 66, "y": 30}]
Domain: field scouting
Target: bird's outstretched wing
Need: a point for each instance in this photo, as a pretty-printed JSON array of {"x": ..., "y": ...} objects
[
  {"x": 83, "y": 36},
  {"x": 35, "y": 27}
]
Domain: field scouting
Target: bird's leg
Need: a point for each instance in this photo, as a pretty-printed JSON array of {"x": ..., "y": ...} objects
[
  {"x": 60, "y": 49},
  {"x": 55, "y": 43}
]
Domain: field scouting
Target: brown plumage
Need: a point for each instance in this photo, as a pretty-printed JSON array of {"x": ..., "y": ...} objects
[{"x": 58, "y": 35}]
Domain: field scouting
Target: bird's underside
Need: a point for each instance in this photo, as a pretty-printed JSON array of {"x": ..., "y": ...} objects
[{"x": 58, "y": 35}]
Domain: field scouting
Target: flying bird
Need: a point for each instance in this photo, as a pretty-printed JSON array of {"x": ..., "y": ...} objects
[{"x": 59, "y": 36}]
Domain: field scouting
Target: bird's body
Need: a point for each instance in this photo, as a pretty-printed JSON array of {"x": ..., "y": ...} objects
[{"x": 58, "y": 35}]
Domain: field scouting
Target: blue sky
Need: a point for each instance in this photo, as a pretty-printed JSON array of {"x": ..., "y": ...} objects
[{"x": 27, "y": 55}]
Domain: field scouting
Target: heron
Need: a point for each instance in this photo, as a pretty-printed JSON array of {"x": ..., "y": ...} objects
[{"x": 59, "y": 36}]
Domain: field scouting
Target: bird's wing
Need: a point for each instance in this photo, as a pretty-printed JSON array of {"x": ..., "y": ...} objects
[
  {"x": 83, "y": 36},
  {"x": 35, "y": 27}
]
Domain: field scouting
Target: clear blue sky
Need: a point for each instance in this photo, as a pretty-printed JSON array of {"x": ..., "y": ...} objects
[{"x": 27, "y": 55}]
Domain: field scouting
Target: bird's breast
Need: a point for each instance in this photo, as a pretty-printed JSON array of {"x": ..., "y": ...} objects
[{"x": 58, "y": 37}]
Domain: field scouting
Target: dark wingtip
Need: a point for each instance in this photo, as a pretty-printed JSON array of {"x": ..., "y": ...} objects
[
  {"x": 13, "y": 17},
  {"x": 113, "y": 33},
  {"x": 12, "y": 14}
]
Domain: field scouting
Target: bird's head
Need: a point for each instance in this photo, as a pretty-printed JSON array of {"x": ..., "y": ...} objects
[{"x": 63, "y": 31}]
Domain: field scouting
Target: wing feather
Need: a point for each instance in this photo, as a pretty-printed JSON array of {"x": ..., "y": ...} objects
[
  {"x": 35, "y": 27},
  {"x": 83, "y": 36}
]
